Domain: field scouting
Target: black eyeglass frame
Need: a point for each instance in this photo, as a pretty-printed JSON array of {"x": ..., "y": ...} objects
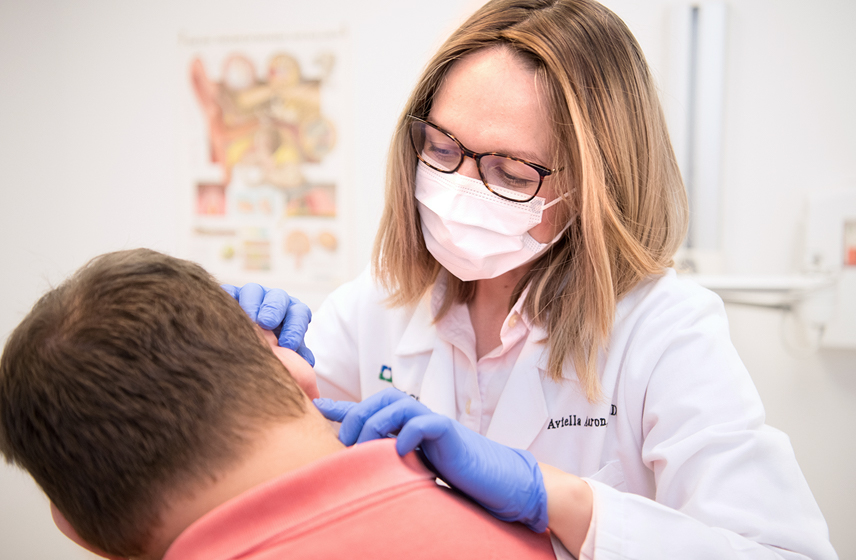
[{"x": 466, "y": 152}]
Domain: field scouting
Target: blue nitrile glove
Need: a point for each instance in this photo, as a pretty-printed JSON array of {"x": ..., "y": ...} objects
[
  {"x": 275, "y": 310},
  {"x": 505, "y": 481}
]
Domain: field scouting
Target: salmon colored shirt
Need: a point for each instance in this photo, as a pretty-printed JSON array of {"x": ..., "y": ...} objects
[{"x": 362, "y": 502}]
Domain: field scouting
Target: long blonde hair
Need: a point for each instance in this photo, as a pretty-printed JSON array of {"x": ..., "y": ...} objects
[{"x": 619, "y": 172}]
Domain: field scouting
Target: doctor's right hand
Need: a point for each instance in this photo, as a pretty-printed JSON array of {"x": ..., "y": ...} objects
[
  {"x": 505, "y": 481},
  {"x": 275, "y": 310}
]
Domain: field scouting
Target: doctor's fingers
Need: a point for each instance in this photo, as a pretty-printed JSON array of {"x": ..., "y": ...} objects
[
  {"x": 270, "y": 308},
  {"x": 273, "y": 308},
  {"x": 355, "y": 418},
  {"x": 230, "y": 289},
  {"x": 390, "y": 419},
  {"x": 354, "y": 415},
  {"x": 306, "y": 354},
  {"x": 250, "y": 298},
  {"x": 297, "y": 318},
  {"x": 435, "y": 432},
  {"x": 334, "y": 411}
]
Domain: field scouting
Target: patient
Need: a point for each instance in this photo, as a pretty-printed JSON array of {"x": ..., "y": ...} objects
[{"x": 143, "y": 401}]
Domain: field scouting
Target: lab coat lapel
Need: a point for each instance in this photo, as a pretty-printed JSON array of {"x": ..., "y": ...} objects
[
  {"x": 435, "y": 384},
  {"x": 438, "y": 385},
  {"x": 521, "y": 412},
  {"x": 420, "y": 332}
]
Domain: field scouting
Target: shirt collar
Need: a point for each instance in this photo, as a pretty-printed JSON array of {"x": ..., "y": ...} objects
[{"x": 421, "y": 332}]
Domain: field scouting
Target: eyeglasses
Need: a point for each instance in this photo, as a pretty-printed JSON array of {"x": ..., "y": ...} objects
[{"x": 505, "y": 176}]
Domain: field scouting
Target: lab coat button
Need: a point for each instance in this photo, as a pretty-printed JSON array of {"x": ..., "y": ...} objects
[
  {"x": 469, "y": 402},
  {"x": 512, "y": 321}
]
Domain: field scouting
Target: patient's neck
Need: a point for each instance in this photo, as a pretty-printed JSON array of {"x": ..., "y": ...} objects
[{"x": 275, "y": 450}]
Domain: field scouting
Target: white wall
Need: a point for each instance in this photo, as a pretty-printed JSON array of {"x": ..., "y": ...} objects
[
  {"x": 88, "y": 161},
  {"x": 791, "y": 129}
]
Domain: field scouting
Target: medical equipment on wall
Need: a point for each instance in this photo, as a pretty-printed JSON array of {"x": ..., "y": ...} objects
[{"x": 820, "y": 302}]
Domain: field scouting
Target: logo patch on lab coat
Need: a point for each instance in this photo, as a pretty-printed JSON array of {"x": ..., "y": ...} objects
[{"x": 385, "y": 374}]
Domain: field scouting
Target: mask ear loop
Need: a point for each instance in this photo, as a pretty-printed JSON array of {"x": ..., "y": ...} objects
[
  {"x": 568, "y": 224},
  {"x": 558, "y": 198}
]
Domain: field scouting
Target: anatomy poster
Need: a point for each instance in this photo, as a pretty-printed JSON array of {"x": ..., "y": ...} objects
[{"x": 266, "y": 158}]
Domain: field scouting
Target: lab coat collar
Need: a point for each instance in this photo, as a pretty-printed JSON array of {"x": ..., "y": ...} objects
[
  {"x": 521, "y": 412},
  {"x": 420, "y": 332},
  {"x": 538, "y": 333},
  {"x": 437, "y": 389},
  {"x": 438, "y": 385}
]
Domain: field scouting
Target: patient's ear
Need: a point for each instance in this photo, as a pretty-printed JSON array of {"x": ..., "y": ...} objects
[
  {"x": 66, "y": 529},
  {"x": 299, "y": 368}
]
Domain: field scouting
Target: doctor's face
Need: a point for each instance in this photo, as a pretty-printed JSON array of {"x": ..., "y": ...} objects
[{"x": 492, "y": 102}]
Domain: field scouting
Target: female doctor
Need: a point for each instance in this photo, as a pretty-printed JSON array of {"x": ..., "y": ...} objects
[{"x": 561, "y": 373}]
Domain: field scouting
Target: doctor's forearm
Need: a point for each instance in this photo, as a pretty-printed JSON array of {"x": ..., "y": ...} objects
[{"x": 569, "y": 507}]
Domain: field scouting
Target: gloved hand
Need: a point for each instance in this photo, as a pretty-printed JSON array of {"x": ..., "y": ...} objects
[
  {"x": 505, "y": 481},
  {"x": 275, "y": 310}
]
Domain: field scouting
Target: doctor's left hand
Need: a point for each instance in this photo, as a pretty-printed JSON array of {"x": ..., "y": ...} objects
[
  {"x": 274, "y": 310},
  {"x": 505, "y": 481}
]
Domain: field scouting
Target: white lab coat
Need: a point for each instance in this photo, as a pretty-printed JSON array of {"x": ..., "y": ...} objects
[{"x": 677, "y": 453}]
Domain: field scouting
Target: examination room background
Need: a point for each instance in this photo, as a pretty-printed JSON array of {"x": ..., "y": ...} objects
[{"x": 89, "y": 154}]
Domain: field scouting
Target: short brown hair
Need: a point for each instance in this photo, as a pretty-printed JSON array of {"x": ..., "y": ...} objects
[
  {"x": 619, "y": 174},
  {"x": 137, "y": 376}
]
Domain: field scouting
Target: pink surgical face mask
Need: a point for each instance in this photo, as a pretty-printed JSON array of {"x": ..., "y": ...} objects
[{"x": 472, "y": 232}]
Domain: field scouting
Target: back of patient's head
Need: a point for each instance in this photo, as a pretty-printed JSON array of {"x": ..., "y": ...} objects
[{"x": 134, "y": 380}]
